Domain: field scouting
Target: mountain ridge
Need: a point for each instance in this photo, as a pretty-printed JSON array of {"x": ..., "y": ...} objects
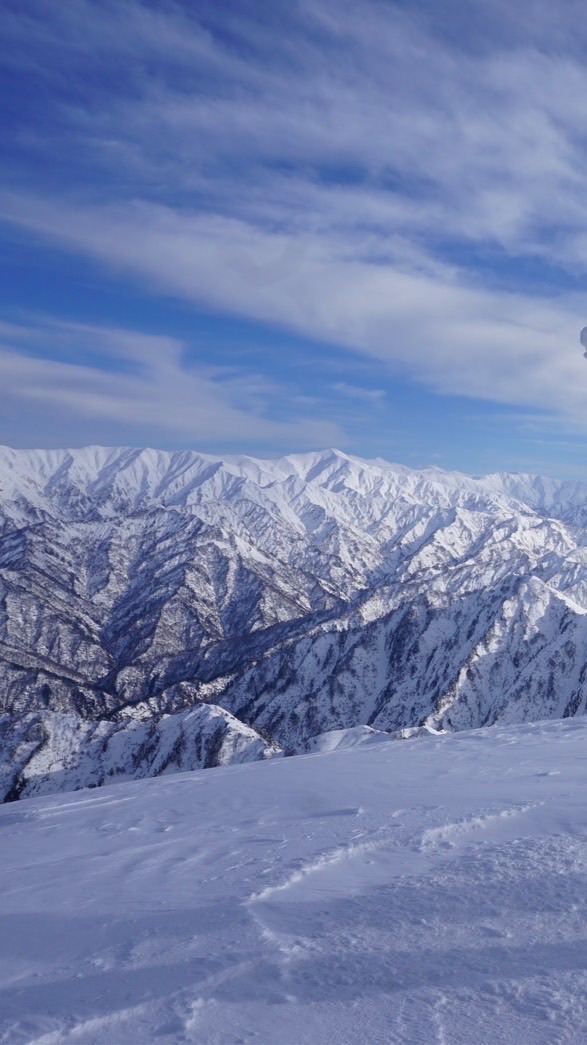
[{"x": 304, "y": 594}]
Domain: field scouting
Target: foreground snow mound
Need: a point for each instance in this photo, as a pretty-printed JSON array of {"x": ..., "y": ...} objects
[
  {"x": 341, "y": 739},
  {"x": 42, "y": 753},
  {"x": 400, "y": 892}
]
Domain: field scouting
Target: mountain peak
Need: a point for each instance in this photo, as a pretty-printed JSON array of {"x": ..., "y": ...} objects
[{"x": 305, "y": 594}]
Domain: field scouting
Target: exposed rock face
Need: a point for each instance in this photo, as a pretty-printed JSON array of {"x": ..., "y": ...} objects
[{"x": 312, "y": 593}]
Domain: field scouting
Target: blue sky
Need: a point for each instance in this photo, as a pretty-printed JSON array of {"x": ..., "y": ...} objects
[{"x": 244, "y": 227}]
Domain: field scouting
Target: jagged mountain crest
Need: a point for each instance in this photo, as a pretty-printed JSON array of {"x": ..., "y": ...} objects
[{"x": 309, "y": 593}]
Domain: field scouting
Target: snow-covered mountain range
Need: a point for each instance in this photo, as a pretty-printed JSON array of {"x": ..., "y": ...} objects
[{"x": 313, "y": 593}]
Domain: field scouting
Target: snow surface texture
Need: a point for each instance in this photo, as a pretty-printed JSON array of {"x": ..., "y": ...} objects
[
  {"x": 306, "y": 595},
  {"x": 433, "y": 892}
]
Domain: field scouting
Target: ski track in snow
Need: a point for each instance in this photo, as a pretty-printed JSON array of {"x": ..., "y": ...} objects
[
  {"x": 451, "y": 834},
  {"x": 428, "y": 892}
]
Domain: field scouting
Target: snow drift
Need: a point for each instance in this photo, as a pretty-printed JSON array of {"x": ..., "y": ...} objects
[{"x": 398, "y": 892}]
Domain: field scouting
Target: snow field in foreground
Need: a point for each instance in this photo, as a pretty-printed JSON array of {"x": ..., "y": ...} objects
[{"x": 427, "y": 891}]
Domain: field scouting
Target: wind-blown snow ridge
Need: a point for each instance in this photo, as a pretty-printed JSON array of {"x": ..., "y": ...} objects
[{"x": 312, "y": 593}]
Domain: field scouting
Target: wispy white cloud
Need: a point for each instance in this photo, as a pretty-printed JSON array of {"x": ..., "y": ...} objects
[
  {"x": 425, "y": 320},
  {"x": 369, "y": 395},
  {"x": 142, "y": 382},
  {"x": 442, "y": 139},
  {"x": 435, "y": 134},
  {"x": 370, "y": 176}
]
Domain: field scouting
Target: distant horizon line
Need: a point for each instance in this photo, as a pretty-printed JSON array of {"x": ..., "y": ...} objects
[{"x": 221, "y": 457}]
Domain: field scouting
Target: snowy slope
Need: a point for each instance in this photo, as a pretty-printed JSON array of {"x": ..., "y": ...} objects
[
  {"x": 313, "y": 593},
  {"x": 406, "y": 892}
]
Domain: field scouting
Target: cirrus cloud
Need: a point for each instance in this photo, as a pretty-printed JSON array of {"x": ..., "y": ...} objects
[{"x": 405, "y": 188}]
